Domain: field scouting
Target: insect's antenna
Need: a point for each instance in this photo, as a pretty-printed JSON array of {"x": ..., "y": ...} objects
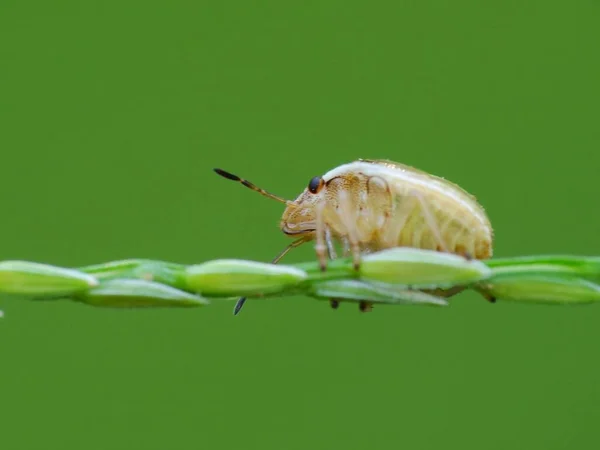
[
  {"x": 296, "y": 243},
  {"x": 252, "y": 186}
]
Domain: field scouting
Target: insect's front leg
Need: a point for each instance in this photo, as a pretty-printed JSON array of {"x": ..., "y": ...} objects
[
  {"x": 320, "y": 236},
  {"x": 326, "y": 248}
]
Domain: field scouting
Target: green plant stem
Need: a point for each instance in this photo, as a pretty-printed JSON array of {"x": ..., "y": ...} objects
[{"x": 393, "y": 277}]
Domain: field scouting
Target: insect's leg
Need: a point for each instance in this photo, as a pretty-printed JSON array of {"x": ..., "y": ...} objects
[
  {"x": 352, "y": 239},
  {"x": 324, "y": 245},
  {"x": 285, "y": 251},
  {"x": 365, "y": 307},
  {"x": 320, "y": 236},
  {"x": 334, "y": 303},
  {"x": 401, "y": 213},
  {"x": 240, "y": 303},
  {"x": 483, "y": 290},
  {"x": 329, "y": 242},
  {"x": 348, "y": 218},
  {"x": 399, "y": 216},
  {"x": 445, "y": 293},
  {"x": 433, "y": 225},
  {"x": 430, "y": 220},
  {"x": 375, "y": 207},
  {"x": 346, "y": 246},
  {"x": 355, "y": 248}
]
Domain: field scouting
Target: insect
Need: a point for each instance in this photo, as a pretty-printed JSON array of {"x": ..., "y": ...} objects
[{"x": 370, "y": 205}]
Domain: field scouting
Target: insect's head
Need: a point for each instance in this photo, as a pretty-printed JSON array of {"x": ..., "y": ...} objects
[{"x": 299, "y": 216}]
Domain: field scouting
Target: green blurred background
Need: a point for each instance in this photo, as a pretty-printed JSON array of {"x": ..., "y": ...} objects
[{"x": 112, "y": 115}]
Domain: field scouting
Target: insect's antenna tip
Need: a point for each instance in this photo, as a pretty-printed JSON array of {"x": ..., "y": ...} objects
[
  {"x": 238, "y": 306},
  {"x": 227, "y": 175}
]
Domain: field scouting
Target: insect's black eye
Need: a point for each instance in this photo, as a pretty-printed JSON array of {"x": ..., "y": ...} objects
[{"x": 315, "y": 184}]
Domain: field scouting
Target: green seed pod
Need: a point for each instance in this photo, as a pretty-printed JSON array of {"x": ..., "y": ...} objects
[
  {"x": 132, "y": 293},
  {"x": 230, "y": 277},
  {"x": 113, "y": 269},
  {"x": 422, "y": 269},
  {"x": 28, "y": 278},
  {"x": 145, "y": 269},
  {"x": 539, "y": 288},
  {"x": 358, "y": 291}
]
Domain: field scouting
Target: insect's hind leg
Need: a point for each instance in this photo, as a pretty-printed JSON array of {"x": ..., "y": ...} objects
[
  {"x": 437, "y": 232},
  {"x": 432, "y": 224},
  {"x": 430, "y": 220}
]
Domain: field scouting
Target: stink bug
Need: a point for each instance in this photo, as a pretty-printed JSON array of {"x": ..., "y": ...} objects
[{"x": 371, "y": 205}]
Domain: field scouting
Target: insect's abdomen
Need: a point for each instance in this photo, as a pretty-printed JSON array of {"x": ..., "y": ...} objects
[{"x": 461, "y": 230}]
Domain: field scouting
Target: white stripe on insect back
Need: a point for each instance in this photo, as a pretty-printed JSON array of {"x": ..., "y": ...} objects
[{"x": 421, "y": 180}]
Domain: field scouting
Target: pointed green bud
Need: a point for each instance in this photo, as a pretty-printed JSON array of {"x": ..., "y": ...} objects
[
  {"x": 132, "y": 293},
  {"x": 357, "y": 291},
  {"x": 539, "y": 288},
  {"x": 422, "y": 269},
  {"x": 28, "y": 278},
  {"x": 232, "y": 277}
]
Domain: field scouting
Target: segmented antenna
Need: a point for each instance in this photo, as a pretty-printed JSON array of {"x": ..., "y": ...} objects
[{"x": 250, "y": 185}]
